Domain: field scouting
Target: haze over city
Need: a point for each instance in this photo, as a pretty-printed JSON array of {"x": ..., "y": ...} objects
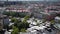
[{"x": 30, "y": 0}]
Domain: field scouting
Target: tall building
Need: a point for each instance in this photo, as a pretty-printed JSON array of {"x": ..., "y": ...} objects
[
  {"x": 1, "y": 19},
  {"x": 1, "y": 22}
]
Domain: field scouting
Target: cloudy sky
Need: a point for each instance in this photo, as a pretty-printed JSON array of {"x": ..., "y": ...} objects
[{"x": 30, "y": 0}]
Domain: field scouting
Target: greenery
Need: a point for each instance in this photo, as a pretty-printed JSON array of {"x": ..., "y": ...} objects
[
  {"x": 26, "y": 18},
  {"x": 9, "y": 13},
  {"x": 15, "y": 30},
  {"x": 22, "y": 14},
  {"x": 22, "y": 26},
  {"x": 15, "y": 14},
  {"x": 19, "y": 26},
  {"x": 52, "y": 21},
  {"x": 14, "y": 20},
  {"x": 23, "y": 30}
]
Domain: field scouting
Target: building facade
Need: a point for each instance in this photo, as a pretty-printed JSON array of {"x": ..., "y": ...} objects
[{"x": 1, "y": 22}]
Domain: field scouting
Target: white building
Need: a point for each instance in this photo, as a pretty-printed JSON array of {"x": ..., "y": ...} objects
[
  {"x": 57, "y": 19},
  {"x": 57, "y": 24}
]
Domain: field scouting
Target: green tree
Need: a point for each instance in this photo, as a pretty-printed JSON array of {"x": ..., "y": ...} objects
[
  {"x": 26, "y": 18},
  {"x": 6, "y": 13},
  {"x": 15, "y": 30},
  {"x": 23, "y": 30},
  {"x": 14, "y": 20},
  {"x": 21, "y": 14},
  {"x": 52, "y": 21},
  {"x": 12, "y": 13},
  {"x": 23, "y": 25}
]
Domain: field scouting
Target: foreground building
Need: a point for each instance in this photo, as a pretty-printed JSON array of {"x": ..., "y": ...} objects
[{"x": 1, "y": 22}]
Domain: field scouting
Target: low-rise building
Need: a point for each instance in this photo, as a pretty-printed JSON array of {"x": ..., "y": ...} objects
[
  {"x": 57, "y": 22},
  {"x": 57, "y": 19},
  {"x": 16, "y": 9}
]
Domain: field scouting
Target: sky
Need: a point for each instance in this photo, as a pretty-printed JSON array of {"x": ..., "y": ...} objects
[{"x": 30, "y": 0}]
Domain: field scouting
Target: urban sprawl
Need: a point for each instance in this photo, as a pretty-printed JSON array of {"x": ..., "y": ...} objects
[{"x": 30, "y": 17}]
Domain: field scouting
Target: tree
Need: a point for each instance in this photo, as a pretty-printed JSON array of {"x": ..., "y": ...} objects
[
  {"x": 23, "y": 25},
  {"x": 12, "y": 13},
  {"x": 6, "y": 13},
  {"x": 14, "y": 20},
  {"x": 21, "y": 14},
  {"x": 23, "y": 30},
  {"x": 26, "y": 18},
  {"x": 15, "y": 30},
  {"x": 52, "y": 21}
]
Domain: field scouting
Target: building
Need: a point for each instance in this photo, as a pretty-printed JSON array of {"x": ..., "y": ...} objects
[
  {"x": 57, "y": 19},
  {"x": 6, "y": 21},
  {"x": 57, "y": 23},
  {"x": 17, "y": 8},
  {"x": 1, "y": 22}
]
